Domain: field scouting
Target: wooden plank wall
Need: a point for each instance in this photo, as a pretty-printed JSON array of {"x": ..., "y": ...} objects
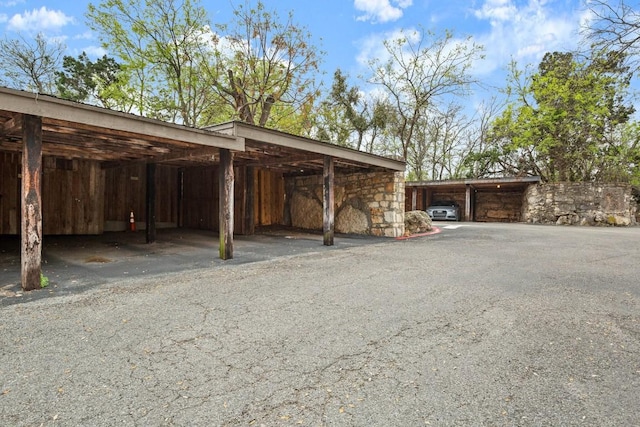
[
  {"x": 408, "y": 198},
  {"x": 269, "y": 198},
  {"x": 79, "y": 197},
  {"x": 200, "y": 198},
  {"x": 72, "y": 196},
  {"x": 10, "y": 166},
  {"x": 125, "y": 190},
  {"x": 166, "y": 195}
]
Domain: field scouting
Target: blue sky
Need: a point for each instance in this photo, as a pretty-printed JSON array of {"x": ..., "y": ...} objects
[{"x": 351, "y": 31}]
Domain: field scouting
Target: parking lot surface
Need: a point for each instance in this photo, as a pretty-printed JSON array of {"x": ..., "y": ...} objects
[{"x": 479, "y": 325}]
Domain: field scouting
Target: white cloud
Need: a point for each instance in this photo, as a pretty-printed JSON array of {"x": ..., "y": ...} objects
[
  {"x": 87, "y": 35},
  {"x": 61, "y": 39},
  {"x": 525, "y": 33},
  {"x": 11, "y": 3},
  {"x": 38, "y": 20},
  {"x": 95, "y": 51},
  {"x": 497, "y": 10},
  {"x": 381, "y": 10},
  {"x": 373, "y": 47}
]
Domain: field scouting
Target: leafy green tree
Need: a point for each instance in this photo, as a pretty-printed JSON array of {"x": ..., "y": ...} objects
[
  {"x": 338, "y": 111},
  {"x": 30, "y": 64},
  {"x": 564, "y": 121},
  {"x": 262, "y": 62},
  {"x": 349, "y": 118},
  {"x": 83, "y": 80},
  {"x": 163, "y": 49}
]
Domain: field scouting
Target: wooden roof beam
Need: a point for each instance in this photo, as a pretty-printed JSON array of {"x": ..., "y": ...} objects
[
  {"x": 292, "y": 160},
  {"x": 195, "y": 154},
  {"x": 13, "y": 125}
]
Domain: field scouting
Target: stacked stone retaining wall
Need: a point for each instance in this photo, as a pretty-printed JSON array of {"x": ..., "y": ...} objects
[
  {"x": 365, "y": 203},
  {"x": 505, "y": 206},
  {"x": 580, "y": 203}
]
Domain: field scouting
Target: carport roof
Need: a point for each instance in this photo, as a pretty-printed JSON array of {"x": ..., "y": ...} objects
[
  {"x": 299, "y": 155},
  {"x": 74, "y": 130},
  {"x": 483, "y": 183}
]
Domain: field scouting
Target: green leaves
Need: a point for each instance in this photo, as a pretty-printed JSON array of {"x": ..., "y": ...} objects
[
  {"x": 566, "y": 116},
  {"x": 265, "y": 62},
  {"x": 83, "y": 80},
  {"x": 164, "y": 53}
]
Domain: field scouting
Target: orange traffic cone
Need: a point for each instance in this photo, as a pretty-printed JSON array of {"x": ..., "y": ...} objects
[{"x": 132, "y": 222}]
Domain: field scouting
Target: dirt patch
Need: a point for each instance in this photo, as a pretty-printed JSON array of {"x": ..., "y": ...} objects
[{"x": 6, "y": 291}]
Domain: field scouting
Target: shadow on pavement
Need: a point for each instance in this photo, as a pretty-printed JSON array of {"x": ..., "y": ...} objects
[{"x": 74, "y": 264}]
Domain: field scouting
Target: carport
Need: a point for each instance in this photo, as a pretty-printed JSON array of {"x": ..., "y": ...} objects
[
  {"x": 483, "y": 200},
  {"x": 75, "y": 169}
]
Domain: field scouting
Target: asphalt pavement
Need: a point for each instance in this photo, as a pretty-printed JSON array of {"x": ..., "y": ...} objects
[{"x": 478, "y": 325}]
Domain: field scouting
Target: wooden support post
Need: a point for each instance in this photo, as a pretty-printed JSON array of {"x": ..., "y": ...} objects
[
  {"x": 328, "y": 201},
  {"x": 467, "y": 204},
  {"x": 180, "y": 201},
  {"x": 31, "y": 254},
  {"x": 472, "y": 215},
  {"x": 226, "y": 204},
  {"x": 249, "y": 207},
  {"x": 414, "y": 198},
  {"x": 150, "y": 230}
]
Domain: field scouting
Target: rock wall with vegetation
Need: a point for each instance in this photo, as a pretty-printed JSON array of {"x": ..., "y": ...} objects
[
  {"x": 580, "y": 204},
  {"x": 365, "y": 203}
]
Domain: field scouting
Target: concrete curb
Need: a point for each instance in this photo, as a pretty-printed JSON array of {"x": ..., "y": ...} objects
[{"x": 434, "y": 230}]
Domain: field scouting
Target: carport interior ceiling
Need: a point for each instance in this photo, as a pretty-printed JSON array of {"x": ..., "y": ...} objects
[
  {"x": 66, "y": 138},
  {"x": 290, "y": 161},
  {"x": 287, "y": 158},
  {"x": 77, "y": 141}
]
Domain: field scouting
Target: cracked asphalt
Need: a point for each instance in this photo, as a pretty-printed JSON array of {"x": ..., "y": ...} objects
[{"x": 480, "y": 325}]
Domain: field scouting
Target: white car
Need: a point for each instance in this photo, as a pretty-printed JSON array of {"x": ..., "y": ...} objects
[{"x": 444, "y": 210}]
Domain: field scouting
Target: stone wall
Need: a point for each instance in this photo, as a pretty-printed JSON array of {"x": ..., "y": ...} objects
[
  {"x": 494, "y": 206},
  {"x": 579, "y": 203},
  {"x": 635, "y": 191},
  {"x": 365, "y": 203}
]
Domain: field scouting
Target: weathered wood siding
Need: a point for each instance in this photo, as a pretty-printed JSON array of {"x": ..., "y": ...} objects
[
  {"x": 125, "y": 189},
  {"x": 166, "y": 196},
  {"x": 72, "y": 196},
  {"x": 10, "y": 165},
  {"x": 81, "y": 198},
  {"x": 200, "y": 198},
  {"x": 420, "y": 197},
  {"x": 269, "y": 198}
]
